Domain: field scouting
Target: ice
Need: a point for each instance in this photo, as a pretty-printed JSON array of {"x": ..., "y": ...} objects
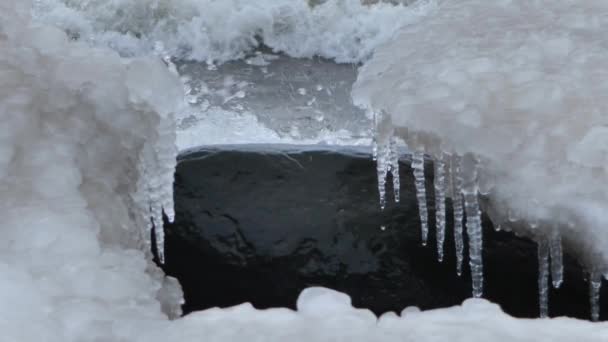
[
  {"x": 473, "y": 222},
  {"x": 419, "y": 181},
  {"x": 505, "y": 90},
  {"x": 394, "y": 162},
  {"x": 543, "y": 277},
  {"x": 557, "y": 265},
  {"x": 385, "y": 151},
  {"x": 217, "y": 31},
  {"x": 440, "y": 185},
  {"x": 458, "y": 210},
  {"x": 595, "y": 284}
]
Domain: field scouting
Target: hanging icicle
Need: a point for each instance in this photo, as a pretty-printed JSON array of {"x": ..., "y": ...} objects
[
  {"x": 457, "y": 181},
  {"x": 595, "y": 283},
  {"x": 382, "y": 171},
  {"x": 557, "y": 264},
  {"x": 386, "y": 154},
  {"x": 440, "y": 193},
  {"x": 473, "y": 223},
  {"x": 419, "y": 181},
  {"x": 374, "y": 136},
  {"x": 543, "y": 277},
  {"x": 394, "y": 168}
]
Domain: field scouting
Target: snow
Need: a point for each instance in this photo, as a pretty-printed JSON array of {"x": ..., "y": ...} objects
[
  {"x": 86, "y": 151},
  {"x": 217, "y": 31},
  {"x": 518, "y": 88}
]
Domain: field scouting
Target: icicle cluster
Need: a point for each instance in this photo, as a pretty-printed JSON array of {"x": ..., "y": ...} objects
[
  {"x": 156, "y": 187},
  {"x": 386, "y": 154},
  {"x": 549, "y": 263},
  {"x": 457, "y": 177}
]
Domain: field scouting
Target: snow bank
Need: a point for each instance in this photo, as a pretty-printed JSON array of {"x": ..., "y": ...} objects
[
  {"x": 521, "y": 86},
  {"x": 326, "y": 315},
  {"x": 217, "y": 31},
  {"x": 78, "y": 128}
]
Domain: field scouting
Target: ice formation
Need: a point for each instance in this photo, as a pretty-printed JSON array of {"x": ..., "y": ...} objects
[
  {"x": 216, "y": 31},
  {"x": 520, "y": 96},
  {"x": 543, "y": 278},
  {"x": 440, "y": 185}
]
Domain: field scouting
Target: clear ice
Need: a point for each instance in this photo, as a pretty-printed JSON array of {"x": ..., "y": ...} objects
[
  {"x": 386, "y": 153},
  {"x": 557, "y": 264},
  {"x": 440, "y": 194},
  {"x": 595, "y": 283},
  {"x": 543, "y": 277},
  {"x": 458, "y": 209},
  {"x": 419, "y": 181},
  {"x": 473, "y": 222}
]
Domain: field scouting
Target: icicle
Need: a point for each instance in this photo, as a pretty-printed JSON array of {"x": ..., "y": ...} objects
[
  {"x": 394, "y": 168},
  {"x": 456, "y": 173},
  {"x": 595, "y": 283},
  {"x": 418, "y": 167},
  {"x": 374, "y": 136},
  {"x": 473, "y": 223},
  {"x": 557, "y": 266},
  {"x": 159, "y": 232},
  {"x": 440, "y": 190},
  {"x": 543, "y": 277},
  {"x": 387, "y": 157},
  {"x": 382, "y": 170}
]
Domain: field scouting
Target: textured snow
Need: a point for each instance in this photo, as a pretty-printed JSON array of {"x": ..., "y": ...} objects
[
  {"x": 86, "y": 149},
  {"x": 521, "y": 85},
  {"x": 217, "y": 31},
  {"x": 78, "y": 125}
]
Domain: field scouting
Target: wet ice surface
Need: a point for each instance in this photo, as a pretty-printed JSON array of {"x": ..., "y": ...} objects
[{"x": 268, "y": 98}]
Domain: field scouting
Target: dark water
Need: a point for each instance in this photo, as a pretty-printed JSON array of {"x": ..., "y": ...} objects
[{"x": 260, "y": 224}]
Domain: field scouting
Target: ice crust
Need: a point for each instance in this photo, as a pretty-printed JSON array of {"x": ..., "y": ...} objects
[
  {"x": 520, "y": 86},
  {"x": 86, "y": 151},
  {"x": 216, "y": 31}
]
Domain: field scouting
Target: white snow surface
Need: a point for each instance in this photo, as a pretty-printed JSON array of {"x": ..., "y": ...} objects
[
  {"x": 84, "y": 135},
  {"x": 217, "y": 31},
  {"x": 521, "y": 85}
]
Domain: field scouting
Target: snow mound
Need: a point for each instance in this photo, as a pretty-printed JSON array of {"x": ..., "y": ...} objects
[
  {"x": 517, "y": 89},
  {"x": 217, "y": 31},
  {"x": 86, "y": 145}
]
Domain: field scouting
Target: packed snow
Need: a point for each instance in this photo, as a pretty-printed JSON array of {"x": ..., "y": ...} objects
[
  {"x": 516, "y": 90},
  {"x": 87, "y": 151}
]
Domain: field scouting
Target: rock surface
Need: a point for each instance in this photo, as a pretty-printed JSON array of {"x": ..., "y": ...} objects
[{"x": 261, "y": 223}]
